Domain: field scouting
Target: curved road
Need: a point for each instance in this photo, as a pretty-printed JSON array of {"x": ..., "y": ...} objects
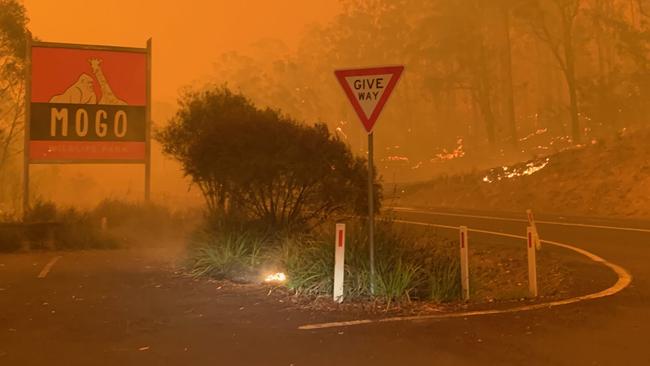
[{"x": 131, "y": 308}]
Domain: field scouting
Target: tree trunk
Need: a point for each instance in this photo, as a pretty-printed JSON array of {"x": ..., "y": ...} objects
[
  {"x": 509, "y": 92},
  {"x": 569, "y": 70},
  {"x": 483, "y": 96},
  {"x": 485, "y": 107}
]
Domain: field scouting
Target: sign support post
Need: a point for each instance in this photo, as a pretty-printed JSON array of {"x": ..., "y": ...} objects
[
  {"x": 28, "y": 101},
  {"x": 371, "y": 211},
  {"x": 147, "y": 163},
  {"x": 368, "y": 90}
]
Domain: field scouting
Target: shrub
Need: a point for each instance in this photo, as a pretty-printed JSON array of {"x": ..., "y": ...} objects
[
  {"x": 232, "y": 255},
  {"x": 10, "y": 237},
  {"x": 305, "y": 261},
  {"x": 41, "y": 211},
  {"x": 141, "y": 222},
  {"x": 260, "y": 165},
  {"x": 80, "y": 230},
  {"x": 444, "y": 280},
  {"x": 49, "y": 226},
  {"x": 396, "y": 281}
]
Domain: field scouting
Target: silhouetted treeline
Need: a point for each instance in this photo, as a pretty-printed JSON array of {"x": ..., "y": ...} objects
[
  {"x": 13, "y": 30},
  {"x": 482, "y": 76}
]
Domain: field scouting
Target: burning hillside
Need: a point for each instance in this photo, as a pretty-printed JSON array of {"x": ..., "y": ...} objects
[{"x": 605, "y": 178}]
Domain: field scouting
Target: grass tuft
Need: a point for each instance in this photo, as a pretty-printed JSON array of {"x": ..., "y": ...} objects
[{"x": 225, "y": 255}]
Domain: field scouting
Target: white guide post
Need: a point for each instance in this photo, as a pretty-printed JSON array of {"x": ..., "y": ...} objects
[
  {"x": 464, "y": 262},
  {"x": 339, "y": 262},
  {"x": 533, "y": 225},
  {"x": 532, "y": 263}
]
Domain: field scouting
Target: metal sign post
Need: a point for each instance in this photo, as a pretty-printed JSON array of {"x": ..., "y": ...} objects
[
  {"x": 147, "y": 163},
  {"x": 371, "y": 212},
  {"x": 368, "y": 90},
  {"x": 28, "y": 99}
]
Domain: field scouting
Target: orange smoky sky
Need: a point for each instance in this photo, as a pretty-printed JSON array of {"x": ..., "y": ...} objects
[{"x": 188, "y": 36}]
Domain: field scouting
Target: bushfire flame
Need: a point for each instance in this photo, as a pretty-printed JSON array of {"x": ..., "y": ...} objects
[
  {"x": 276, "y": 277},
  {"x": 516, "y": 171}
]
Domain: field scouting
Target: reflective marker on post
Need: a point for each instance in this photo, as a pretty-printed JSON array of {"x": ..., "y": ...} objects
[
  {"x": 531, "y": 223},
  {"x": 339, "y": 262},
  {"x": 532, "y": 265},
  {"x": 531, "y": 218},
  {"x": 538, "y": 243},
  {"x": 464, "y": 262}
]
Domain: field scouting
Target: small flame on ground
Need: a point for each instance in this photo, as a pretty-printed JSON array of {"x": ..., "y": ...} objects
[
  {"x": 512, "y": 172},
  {"x": 276, "y": 277},
  {"x": 458, "y": 152}
]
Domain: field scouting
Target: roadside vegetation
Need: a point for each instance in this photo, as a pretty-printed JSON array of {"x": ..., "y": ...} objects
[
  {"x": 411, "y": 264},
  {"x": 274, "y": 187},
  {"x": 111, "y": 224}
]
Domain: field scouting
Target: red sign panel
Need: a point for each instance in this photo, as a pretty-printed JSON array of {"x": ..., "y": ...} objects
[
  {"x": 368, "y": 90},
  {"x": 88, "y": 104}
]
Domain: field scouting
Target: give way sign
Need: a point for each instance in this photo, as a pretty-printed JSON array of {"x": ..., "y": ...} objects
[{"x": 369, "y": 89}]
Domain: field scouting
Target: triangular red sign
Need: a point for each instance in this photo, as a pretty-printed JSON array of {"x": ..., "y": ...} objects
[{"x": 368, "y": 90}]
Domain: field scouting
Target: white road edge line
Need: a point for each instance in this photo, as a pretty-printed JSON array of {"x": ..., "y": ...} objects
[
  {"x": 48, "y": 267},
  {"x": 624, "y": 279},
  {"x": 404, "y": 209}
]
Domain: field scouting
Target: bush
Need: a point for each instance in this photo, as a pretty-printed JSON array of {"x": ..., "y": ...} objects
[
  {"x": 138, "y": 222},
  {"x": 444, "y": 280},
  {"x": 260, "y": 165},
  {"x": 48, "y": 226},
  {"x": 399, "y": 280},
  {"x": 41, "y": 211},
  {"x": 305, "y": 261},
  {"x": 410, "y": 264},
  {"x": 10, "y": 237},
  {"x": 225, "y": 255},
  {"x": 80, "y": 230}
]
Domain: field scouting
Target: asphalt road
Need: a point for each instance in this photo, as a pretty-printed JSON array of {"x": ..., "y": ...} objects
[{"x": 131, "y": 307}]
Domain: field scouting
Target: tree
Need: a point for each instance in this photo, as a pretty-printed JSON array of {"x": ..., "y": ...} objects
[
  {"x": 457, "y": 42},
  {"x": 505, "y": 8},
  {"x": 261, "y": 164},
  {"x": 13, "y": 32},
  {"x": 614, "y": 91},
  {"x": 552, "y": 22}
]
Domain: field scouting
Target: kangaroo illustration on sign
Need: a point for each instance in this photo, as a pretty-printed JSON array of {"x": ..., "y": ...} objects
[{"x": 82, "y": 92}]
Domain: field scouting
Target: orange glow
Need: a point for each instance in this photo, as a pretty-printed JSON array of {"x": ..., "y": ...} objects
[{"x": 186, "y": 39}]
